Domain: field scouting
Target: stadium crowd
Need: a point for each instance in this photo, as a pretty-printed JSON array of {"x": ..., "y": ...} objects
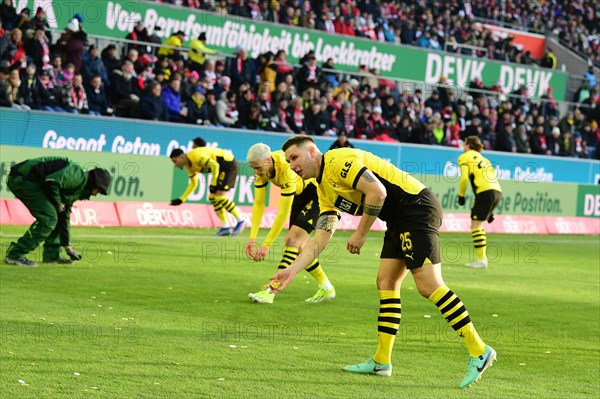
[
  {"x": 68, "y": 75},
  {"x": 433, "y": 24}
]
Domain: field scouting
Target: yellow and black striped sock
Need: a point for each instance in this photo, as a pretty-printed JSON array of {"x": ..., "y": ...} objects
[
  {"x": 480, "y": 243},
  {"x": 457, "y": 316},
  {"x": 388, "y": 322},
  {"x": 216, "y": 203},
  {"x": 315, "y": 270},
  {"x": 222, "y": 202},
  {"x": 289, "y": 256}
]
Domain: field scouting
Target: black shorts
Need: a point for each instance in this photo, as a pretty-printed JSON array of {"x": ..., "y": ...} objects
[
  {"x": 305, "y": 209},
  {"x": 228, "y": 171},
  {"x": 413, "y": 234},
  {"x": 484, "y": 204},
  {"x": 415, "y": 247}
]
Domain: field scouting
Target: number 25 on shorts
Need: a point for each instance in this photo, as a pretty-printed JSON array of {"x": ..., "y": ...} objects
[{"x": 407, "y": 245}]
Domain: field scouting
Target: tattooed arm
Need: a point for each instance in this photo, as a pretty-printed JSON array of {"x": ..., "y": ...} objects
[{"x": 375, "y": 195}]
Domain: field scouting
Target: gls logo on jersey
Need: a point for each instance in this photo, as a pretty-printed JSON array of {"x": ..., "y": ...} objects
[
  {"x": 345, "y": 170},
  {"x": 346, "y": 206}
]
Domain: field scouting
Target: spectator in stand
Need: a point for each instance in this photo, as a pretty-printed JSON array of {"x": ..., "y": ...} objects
[
  {"x": 240, "y": 69},
  {"x": 139, "y": 35},
  {"x": 590, "y": 77},
  {"x": 74, "y": 97},
  {"x": 110, "y": 59},
  {"x": 434, "y": 102},
  {"x": 194, "y": 105},
  {"x": 282, "y": 114},
  {"x": 14, "y": 98},
  {"x": 134, "y": 57},
  {"x": 4, "y": 98},
  {"x": 538, "y": 143},
  {"x": 38, "y": 49},
  {"x": 283, "y": 67},
  {"x": 124, "y": 92},
  {"x": 175, "y": 40},
  {"x": 188, "y": 85},
  {"x": 152, "y": 105},
  {"x": 243, "y": 107},
  {"x": 66, "y": 74},
  {"x": 93, "y": 65},
  {"x": 522, "y": 140},
  {"x": 548, "y": 60},
  {"x": 49, "y": 94},
  {"x": 24, "y": 22},
  {"x": 197, "y": 54},
  {"x": 75, "y": 45},
  {"x": 296, "y": 115},
  {"x": 226, "y": 109},
  {"x": 28, "y": 91},
  {"x": 14, "y": 54},
  {"x": 341, "y": 142},
  {"x": 316, "y": 121},
  {"x": 40, "y": 21},
  {"x": 505, "y": 140},
  {"x": 172, "y": 99},
  {"x": 267, "y": 71},
  {"x": 8, "y": 15},
  {"x": 224, "y": 85},
  {"x": 209, "y": 109},
  {"x": 96, "y": 96},
  {"x": 309, "y": 75}
]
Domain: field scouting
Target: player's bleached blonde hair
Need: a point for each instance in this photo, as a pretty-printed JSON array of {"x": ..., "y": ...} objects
[{"x": 258, "y": 152}]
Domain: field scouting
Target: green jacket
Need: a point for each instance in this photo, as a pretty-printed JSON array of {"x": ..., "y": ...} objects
[{"x": 63, "y": 181}]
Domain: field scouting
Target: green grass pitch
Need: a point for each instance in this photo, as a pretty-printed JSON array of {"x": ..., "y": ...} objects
[{"x": 164, "y": 313}]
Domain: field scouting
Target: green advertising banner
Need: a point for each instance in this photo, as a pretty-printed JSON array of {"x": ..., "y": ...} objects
[
  {"x": 588, "y": 201},
  {"x": 519, "y": 198},
  {"x": 116, "y": 18},
  {"x": 243, "y": 194},
  {"x": 134, "y": 177},
  {"x": 155, "y": 179}
]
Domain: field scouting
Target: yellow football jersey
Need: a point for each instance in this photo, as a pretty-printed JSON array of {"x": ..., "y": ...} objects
[
  {"x": 285, "y": 178},
  {"x": 342, "y": 168},
  {"x": 204, "y": 160},
  {"x": 477, "y": 169},
  {"x": 290, "y": 184}
]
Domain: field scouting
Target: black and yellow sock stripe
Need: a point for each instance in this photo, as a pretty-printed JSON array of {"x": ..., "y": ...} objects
[
  {"x": 289, "y": 256},
  {"x": 222, "y": 202},
  {"x": 312, "y": 265},
  {"x": 479, "y": 238},
  {"x": 388, "y": 323},
  {"x": 453, "y": 310},
  {"x": 390, "y": 313}
]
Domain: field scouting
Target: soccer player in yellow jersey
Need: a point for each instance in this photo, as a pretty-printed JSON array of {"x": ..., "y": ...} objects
[
  {"x": 360, "y": 183},
  {"x": 224, "y": 169},
  {"x": 475, "y": 168},
  {"x": 299, "y": 202}
]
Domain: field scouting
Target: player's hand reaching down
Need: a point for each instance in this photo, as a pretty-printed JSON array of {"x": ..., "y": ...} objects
[
  {"x": 283, "y": 277},
  {"x": 249, "y": 249},
  {"x": 259, "y": 255},
  {"x": 355, "y": 243}
]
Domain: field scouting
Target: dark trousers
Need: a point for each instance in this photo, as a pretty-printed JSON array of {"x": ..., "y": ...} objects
[{"x": 44, "y": 229}]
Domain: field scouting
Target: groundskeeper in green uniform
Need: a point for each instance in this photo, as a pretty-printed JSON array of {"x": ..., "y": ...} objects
[{"x": 48, "y": 187}]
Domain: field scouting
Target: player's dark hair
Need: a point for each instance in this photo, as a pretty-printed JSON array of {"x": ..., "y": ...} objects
[
  {"x": 297, "y": 140},
  {"x": 199, "y": 142},
  {"x": 474, "y": 143},
  {"x": 175, "y": 153}
]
